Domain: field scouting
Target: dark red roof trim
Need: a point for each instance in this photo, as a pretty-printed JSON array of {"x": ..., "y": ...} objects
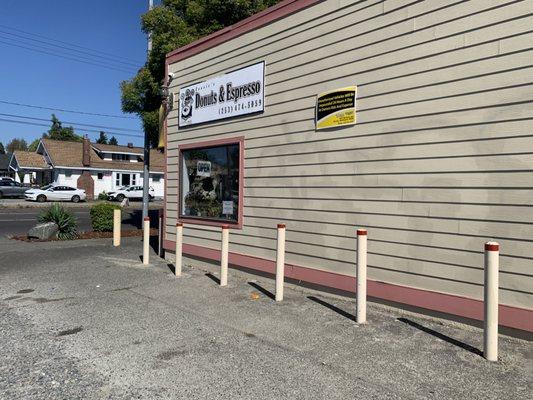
[{"x": 255, "y": 21}]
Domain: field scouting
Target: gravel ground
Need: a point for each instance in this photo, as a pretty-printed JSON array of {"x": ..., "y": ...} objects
[{"x": 85, "y": 320}]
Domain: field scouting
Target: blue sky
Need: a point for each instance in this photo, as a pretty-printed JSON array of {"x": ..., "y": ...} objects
[{"x": 28, "y": 77}]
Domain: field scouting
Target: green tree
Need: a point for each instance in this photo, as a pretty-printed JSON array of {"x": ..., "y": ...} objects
[
  {"x": 113, "y": 141},
  {"x": 2, "y": 149},
  {"x": 58, "y": 132},
  {"x": 173, "y": 24},
  {"x": 17, "y": 144},
  {"x": 102, "y": 139},
  {"x": 33, "y": 145}
]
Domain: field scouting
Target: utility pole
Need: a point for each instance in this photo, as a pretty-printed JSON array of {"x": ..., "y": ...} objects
[{"x": 146, "y": 166}]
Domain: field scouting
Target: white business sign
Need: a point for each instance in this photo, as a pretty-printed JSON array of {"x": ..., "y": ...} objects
[{"x": 235, "y": 93}]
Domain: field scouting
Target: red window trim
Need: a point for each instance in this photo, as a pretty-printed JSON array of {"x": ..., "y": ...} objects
[{"x": 212, "y": 143}]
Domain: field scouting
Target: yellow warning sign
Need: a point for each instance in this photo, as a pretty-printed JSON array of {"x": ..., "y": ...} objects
[{"x": 336, "y": 108}]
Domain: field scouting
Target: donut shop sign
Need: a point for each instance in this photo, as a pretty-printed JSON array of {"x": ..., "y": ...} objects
[{"x": 233, "y": 94}]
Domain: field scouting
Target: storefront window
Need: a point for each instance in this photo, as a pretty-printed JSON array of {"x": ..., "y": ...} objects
[{"x": 210, "y": 182}]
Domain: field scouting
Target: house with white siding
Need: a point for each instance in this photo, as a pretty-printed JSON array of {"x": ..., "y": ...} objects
[{"x": 94, "y": 167}]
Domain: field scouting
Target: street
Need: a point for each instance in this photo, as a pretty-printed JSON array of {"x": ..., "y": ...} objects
[
  {"x": 17, "y": 221},
  {"x": 84, "y": 320}
]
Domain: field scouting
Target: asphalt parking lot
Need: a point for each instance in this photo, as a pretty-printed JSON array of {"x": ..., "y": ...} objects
[
  {"x": 82, "y": 319},
  {"x": 17, "y": 216}
]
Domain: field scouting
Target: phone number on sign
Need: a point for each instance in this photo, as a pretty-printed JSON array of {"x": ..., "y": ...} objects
[{"x": 241, "y": 106}]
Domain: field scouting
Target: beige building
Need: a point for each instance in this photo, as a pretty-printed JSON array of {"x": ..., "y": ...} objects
[{"x": 439, "y": 161}]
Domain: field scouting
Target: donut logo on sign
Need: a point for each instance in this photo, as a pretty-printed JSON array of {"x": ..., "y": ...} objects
[{"x": 186, "y": 104}]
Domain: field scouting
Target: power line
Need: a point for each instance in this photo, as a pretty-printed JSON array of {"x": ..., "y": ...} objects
[
  {"x": 69, "y": 58},
  {"x": 67, "y": 111},
  {"x": 79, "y": 58},
  {"x": 71, "y": 123},
  {"x": 128, "y": 64},
  {"x": 70, "y": 44},
  {"x": 82, "y": 129}
]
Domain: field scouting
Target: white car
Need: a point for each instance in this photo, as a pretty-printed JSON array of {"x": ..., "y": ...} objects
[
  {"x": 55, "y": 193},
  {"x": 130, "y": 192}
]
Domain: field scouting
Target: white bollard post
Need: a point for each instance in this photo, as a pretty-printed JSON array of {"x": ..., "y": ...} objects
[
  {"x": 361, "y": 276},
  {"x": 116, "y": 227},
  {"x": 224, "y": 256},
  {"x": 146, "y": 240},
  {"x": 179, "y": 248},
  {"x": 160, "y": 234},
  {"x": 490, "y": 334},
  {"x": 280, "y": 262}
]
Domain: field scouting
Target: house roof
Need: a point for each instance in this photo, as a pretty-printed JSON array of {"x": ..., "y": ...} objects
[
  {"x": 271, "y": 14},
  {"x": 70, "y": 155},
  {"x": 109, "y": 148},
  {"x": 29, "y": 159},
  {"x": 4, "y": 161}
]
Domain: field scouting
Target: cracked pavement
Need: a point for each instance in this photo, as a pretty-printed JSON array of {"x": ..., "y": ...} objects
[{"x": 85, "y": 320}]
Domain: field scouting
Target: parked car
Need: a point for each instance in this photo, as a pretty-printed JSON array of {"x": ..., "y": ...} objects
[
  {"x": 131, "y": 192},
  {"x": 9, "y": 188},
  {"x": 56, "y": 193}
]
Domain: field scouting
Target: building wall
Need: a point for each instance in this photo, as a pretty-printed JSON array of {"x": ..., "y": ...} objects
[{"x": 439, "y": 162}]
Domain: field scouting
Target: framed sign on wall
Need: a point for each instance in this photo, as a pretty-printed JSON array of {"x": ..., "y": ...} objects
[
  {"x": 336, "y": 108},
  {"x": 236, "y": 93}
]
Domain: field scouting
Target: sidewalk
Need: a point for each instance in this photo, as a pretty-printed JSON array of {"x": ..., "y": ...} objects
[{"x": 85, "y": 320}]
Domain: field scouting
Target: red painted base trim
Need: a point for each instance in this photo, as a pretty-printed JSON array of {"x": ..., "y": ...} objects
[{"x": 512, "y": 317}]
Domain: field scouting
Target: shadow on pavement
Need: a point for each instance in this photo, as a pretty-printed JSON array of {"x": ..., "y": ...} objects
[
  {"x": 262, "y": 290},
  {"x": 172, "y": 268},
  {"x": 441, "y": 336},
  {"x": 213, "y": 277},
  {"x": 332, "y": 307}
]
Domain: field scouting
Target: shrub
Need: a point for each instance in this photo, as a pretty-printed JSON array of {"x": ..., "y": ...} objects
[
  {"x": 102, "y": 196},
  {"x": 102, "y": 216},
  {"x": 65, "y": 220}
]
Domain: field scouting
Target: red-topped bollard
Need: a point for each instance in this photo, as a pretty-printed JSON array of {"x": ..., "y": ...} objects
[
  {"x": 179, "y": 248},
  {"x": 224, "y": 256},
  {"x": 361, "y": 276},
  {"x": 490, "y": 320},
  {"x": 280, "y": 262},
  {"x": 146, "y": 240}
]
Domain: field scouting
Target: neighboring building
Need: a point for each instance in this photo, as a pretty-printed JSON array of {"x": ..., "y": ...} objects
[
  {"x": 30, "y": 168},
  {"x": 438, "y": 163},
  {"x": 96, "y": 168},
  {"x": 4, "y": 166}
]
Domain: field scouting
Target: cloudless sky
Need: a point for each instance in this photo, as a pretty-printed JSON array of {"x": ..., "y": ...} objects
[{"x": 29, "y": 77}]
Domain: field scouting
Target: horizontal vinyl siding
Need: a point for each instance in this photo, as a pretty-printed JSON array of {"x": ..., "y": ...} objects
[{"x": 440, "y": 160}]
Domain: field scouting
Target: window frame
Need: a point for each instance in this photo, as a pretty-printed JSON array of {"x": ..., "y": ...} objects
[
  {"x": 119, "y": 157},
  {"x": 239, "y": 140}
]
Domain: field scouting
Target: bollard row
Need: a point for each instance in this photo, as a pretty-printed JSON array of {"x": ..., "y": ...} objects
[{"x": 492, "y": 249}]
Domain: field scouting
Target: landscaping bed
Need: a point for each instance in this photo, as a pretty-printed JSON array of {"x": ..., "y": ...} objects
[{"x": 90, "y": 235}]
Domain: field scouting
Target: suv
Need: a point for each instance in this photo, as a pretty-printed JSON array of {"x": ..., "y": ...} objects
[
  {"x": 130, "y": 192},
  {"x": 9, "y": 188}
]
